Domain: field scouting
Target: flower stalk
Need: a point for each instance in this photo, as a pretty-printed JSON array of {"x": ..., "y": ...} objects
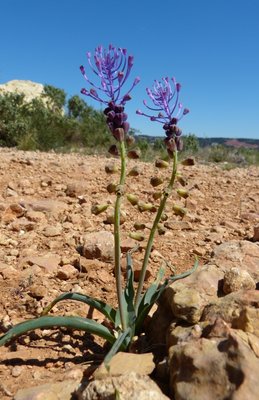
[
  {"x": 160, "y": 210},
  {"x": 117, "y": 252}
]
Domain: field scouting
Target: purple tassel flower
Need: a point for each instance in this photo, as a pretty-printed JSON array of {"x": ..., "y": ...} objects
[
  {"x": 112, "y": 66},
  {"x": 168, "y": 111}
]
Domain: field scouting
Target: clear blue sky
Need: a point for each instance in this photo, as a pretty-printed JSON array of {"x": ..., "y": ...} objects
[{"x": 211, "y": 47}]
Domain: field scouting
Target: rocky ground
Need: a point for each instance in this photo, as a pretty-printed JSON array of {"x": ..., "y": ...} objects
[{"x": 46, "y": 236}]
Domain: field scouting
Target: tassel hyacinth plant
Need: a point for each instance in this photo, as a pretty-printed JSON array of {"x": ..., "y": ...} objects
[{"x": 111, "y": 68}]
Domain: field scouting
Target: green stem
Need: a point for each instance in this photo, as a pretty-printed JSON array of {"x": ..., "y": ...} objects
[
  {"x": 117, "y": 251},
  {"x": 153, "y": 231}
]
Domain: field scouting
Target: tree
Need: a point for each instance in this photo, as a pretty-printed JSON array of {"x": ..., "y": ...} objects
[
  {"x": 55, "y": 98},
  {"x": 76, "y": 107}
]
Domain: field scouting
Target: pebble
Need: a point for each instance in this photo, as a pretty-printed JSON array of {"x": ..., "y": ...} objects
[{"x": 16, "y": 371}]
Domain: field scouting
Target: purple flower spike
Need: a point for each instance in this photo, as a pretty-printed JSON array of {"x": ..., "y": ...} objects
[
  {"x": 112, "y": 68},
  {"x": 168, "y": 110}
]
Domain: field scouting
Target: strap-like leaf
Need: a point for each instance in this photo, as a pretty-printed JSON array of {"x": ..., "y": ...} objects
[
  {"x": 121, "y": 343},
  {"x": 174, "y": 278},
  {"x": 149, "y": 298},
  {"x": 78, "y": 323},
  {"x": 104, "y": 308}
]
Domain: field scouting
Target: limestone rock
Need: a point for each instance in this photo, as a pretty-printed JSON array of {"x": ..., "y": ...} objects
[
  {"x": 188, "y": 297},
  {"x": 46, "y": 206},
  {"x": 242, "y": 254},
  {"x": 215, "y": 369},
  {"x": 49, "y": 262},
  {"x": 125, "y": 363},
  {"x": 67, "y": 272},
  {"x": 236, "y": 279},
  {"x": 238, "y": 309},
  {"x": 30, "y": 89},
  {"x": 129, "y": 387},
  {"x": 50, "y": 391},
  {"x": 99, "y": 245}
]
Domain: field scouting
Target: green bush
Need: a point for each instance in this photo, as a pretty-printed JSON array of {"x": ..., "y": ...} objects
[
  {"x": 49, "y": 122},
  {"x": 13, "y": 122}
]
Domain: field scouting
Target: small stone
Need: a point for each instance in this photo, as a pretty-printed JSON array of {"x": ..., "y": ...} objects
[
  {"x": 52, "y": 231},
  {"x": 199, "y": 251},
  {"x": 49, "y": 262},
  {"x": 16, "y": 371},
  {"x": 99, "y": 245},
  {"x": 67, "y": 272},
  {"x": 236, "y": 279},
  {"x": 38, "y": 291}
]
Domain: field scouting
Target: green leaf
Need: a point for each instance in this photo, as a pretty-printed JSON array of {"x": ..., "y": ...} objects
[
  {"x": 174, "y": 278},
  {"x": 149, "y": 298},
  {"x": 104, "y": 308},
  {"x": 78, "y": 323},
  {"x": 120, "y": 344}
]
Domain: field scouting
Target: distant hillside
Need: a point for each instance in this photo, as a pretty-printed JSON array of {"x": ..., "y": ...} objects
[{"x": 237, "y": 143}]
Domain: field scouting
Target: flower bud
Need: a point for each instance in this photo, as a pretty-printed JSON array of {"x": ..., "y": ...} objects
[
  {"x": 99, "y": 208},
  {"x": 139, "y": 226},
  {"x": 137, "y": 236},
  {"x": 118, "y": 133},
  {"x": 113, "y": 150},
  {"x": 157, "y": 195},
  {"x": 161, "y": 164},
  {"x": 146, "y": 207},
  {"x": 111, "y": 169},
  {"x": 132, "y": 199},
  {"x": 134, "y": 154},
  {"x": 164, "y": 217},
  {"x": 188, "y": 161},
  {"x": 183, "y": 193},
  {"x": 170, "y": 144},
  {"x": 156, "y": 181},
  {"x": 178, "y": 210},
  {"x": 126, "y": 126},
  {"x": 181, "y": 180},
  {"x": 134, "y": 171},
  {"x": 161, "y": 230},
  {"x": 111, "y": 187}
]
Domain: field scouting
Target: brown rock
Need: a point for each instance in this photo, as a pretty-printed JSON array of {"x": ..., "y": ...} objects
[
  {"x": 129, "y": 387},
  {"x": 37, "y": 291},
  {"x": 236, "y": 309},
  {"x": 214, "y": 369},
  {"x": 22, "y": 224},
  {"x": 125, "y": 363},
  {"x": 99, "y": 245},
  {"x": 242, "y": 254},
  {"x": 52, "y": 231},
  {"x": 46, "y": 206},
  {"x": 7, "y": 271},
  {"x": 67, "y": 272},
  {"x": 187, "y": 298},
  {"x": 49, "y": 262},
  {"x": 75, "y": 189},
  {"x": 236, "y": 279},
  {"x": 50, "y": 391},
  {"x": 36, "y": 216}
]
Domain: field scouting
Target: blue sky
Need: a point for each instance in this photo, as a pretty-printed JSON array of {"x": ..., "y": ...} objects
[{"x": 211, "y": 47}]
